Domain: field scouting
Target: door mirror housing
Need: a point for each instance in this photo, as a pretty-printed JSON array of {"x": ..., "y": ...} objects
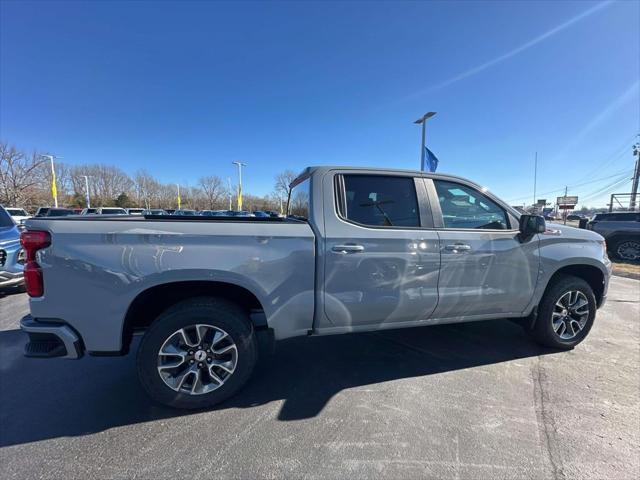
[{"x": 530, "y": 225}]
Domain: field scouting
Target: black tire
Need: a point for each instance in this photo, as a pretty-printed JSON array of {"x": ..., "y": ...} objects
[
  {"x": 543, "y": 331},
  {"x": 626, "y": 249},
  {"x": 217, "y": 312}
]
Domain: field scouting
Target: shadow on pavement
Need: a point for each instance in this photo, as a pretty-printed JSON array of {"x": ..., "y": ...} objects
[{"x": 42, "y": 399}]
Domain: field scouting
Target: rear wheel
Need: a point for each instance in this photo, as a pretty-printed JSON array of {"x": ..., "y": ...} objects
[
  {"x": 565, "y": 313},
  {"x": 197, "y": 353}
]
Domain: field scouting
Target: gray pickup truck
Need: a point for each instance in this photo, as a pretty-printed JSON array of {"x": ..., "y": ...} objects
[{"x": 361, "y": 250}]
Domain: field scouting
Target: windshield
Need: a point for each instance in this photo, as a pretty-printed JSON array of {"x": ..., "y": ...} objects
[
  {"x": 113, "y": 211},
  {"x": 5, "y": 219},
  {"x": 298, "y": 204},
  {"x": 17, "y": 212},
  {"x": 59, "y": 213}
]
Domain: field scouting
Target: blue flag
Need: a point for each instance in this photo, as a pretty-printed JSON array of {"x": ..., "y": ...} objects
[{"x": 430, "y": 161}]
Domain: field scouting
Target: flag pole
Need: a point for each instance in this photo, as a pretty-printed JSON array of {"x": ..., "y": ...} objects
[
  {"x": 423, "y": 121},
  {"x": 54, "y": 188}
]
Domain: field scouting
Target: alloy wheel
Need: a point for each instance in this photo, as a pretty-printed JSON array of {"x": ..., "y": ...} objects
[
  {"x": 570, "y": 314},
  {"x": 197, "y": 359},
  {"x": 629, "y": 250}
]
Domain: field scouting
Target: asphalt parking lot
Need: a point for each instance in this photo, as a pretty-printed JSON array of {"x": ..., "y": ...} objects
[{"x": 477, "y": 400}]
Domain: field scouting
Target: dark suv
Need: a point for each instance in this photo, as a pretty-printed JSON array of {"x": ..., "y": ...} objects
[{"x": 621, "y": 230}]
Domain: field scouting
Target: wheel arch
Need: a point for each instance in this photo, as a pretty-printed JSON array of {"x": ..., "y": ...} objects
[
  {"x": 591, "y": 274},
  {"x": 149, "y": 303}
]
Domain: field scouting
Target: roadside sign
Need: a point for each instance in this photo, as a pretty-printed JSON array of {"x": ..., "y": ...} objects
[{"x": 567, "y": 202}]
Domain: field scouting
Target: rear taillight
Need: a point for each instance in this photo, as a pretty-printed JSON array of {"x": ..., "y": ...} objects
[{"x": 32, "y": 241}]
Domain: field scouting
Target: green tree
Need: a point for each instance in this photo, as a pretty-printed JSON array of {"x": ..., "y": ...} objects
[{"x": 123, "y": 201}]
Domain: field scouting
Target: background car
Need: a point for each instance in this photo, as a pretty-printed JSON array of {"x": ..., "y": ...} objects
[
  {"x": 135, "y": 211},
  {"x": 154, "y": 211},
  {"x": 240, "y": 213},
  {"x": 575, "y": 216},
  {"x": 185, "y": 213},
  {"x": 11, "y": 253},
  {"x": 55, "y": 212},
  {"x": 41, "y": 211},
  {"x": 621, "y": 230},
  {"x": 104, "y": 211},
  {"x": 261, "y": 214},
  {"x": 273, "y": 213},
  {"x": 19, "y": 215},
  {"x": 214, "y": 213}
]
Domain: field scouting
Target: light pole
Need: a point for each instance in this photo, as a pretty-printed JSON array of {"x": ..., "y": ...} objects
[
  {"x": 86, "y": 186},
  {"x": 54, "y": 189},
  {"x": 423, "y": 121},
  {"x": 240, "y": 165}
]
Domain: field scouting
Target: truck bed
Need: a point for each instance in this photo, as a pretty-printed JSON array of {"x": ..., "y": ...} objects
[{"x": 117, "y": 258}]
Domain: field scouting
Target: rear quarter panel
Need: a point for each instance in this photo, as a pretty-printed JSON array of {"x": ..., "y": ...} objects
[{"x": 94, "y": 269}]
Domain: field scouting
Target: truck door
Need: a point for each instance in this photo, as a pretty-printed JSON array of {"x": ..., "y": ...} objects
[
  {"x": 485, "y": 268},
  {"x": 381, "y": 255}
]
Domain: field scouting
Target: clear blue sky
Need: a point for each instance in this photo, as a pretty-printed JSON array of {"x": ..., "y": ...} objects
[{"x": 182, "y": 89}]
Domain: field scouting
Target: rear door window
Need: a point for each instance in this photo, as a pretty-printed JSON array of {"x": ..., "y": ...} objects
[{"x": 380, "y": 201}]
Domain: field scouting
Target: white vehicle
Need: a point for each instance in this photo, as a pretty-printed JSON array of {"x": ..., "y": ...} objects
[
  {"x": 104, "y": 211},
  {"x": 19, "y": 215},
  {"x": 135, "y": 211}
]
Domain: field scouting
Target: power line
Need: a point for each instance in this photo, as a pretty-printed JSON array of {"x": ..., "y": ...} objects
[
  {"x": 619, "y": 153},
  {"x": 626, "y": 172},
  {"x": 605, "y": 190}
]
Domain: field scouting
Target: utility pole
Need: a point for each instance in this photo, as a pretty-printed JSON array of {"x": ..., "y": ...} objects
[
  {"x": 564, "y": 213},
  {"x": 423, "y": 121},
  {"x": 54, "y": 188},
  {"x": 240, "y": 165},
  {"x": 535, "y": 180},
  {"x": 86, "y": 186},
  {"x": 179, "y": 202},
  {"x": 636, "y": 177},
  {"x": 229, "y": 180}
]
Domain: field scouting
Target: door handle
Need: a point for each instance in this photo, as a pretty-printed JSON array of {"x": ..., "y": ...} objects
[
  {"x": 347, "y": 248},
  {"x": 458, "y": 247}
]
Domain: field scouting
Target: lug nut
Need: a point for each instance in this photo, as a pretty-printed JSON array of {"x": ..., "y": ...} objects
[
  {"x": 199, "y": 347},
  {"x": 200, "y": 365},
  {"x": 209, "y": 359},
  {"x": 190, "y": 352},
  {"x": 190, "y": 362}
]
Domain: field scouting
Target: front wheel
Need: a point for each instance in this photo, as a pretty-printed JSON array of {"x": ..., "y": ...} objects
[
  {"x": 565, "y": 313},
  {"x": 197, "y": 353}
]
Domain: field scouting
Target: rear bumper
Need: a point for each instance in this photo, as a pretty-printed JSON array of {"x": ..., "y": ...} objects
[
  {"x": 50, "y": 339},
  {"x": 11, "y": 279}
]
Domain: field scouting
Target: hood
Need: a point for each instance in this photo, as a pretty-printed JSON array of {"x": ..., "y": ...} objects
[
  {"x": 9, "y": 235},
  {"x": 565, "y": 231}
]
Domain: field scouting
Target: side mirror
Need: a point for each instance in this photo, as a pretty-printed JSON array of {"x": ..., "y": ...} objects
[{"x": 531, "y": 224}]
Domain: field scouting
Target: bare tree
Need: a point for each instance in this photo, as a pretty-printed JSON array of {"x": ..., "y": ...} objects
[
  {"x": 213, "y": 189},
  {"x": 20, "y": 175},
  {"x": 283, "y": 182},
  {"x": 147, "y": 189}
]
